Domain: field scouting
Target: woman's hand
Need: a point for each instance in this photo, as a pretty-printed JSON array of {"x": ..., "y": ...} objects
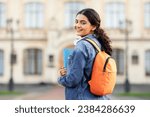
[{"x": 62, "y": 71}]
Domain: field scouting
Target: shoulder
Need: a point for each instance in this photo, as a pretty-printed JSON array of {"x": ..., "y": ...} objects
[{"x": 83, "y": 45}]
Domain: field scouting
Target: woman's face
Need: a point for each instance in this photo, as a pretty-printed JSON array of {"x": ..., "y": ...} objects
[{"x": 83, "y": 26}]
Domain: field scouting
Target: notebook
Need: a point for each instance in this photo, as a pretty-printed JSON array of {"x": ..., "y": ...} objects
[{"x": 66, "y": 53}]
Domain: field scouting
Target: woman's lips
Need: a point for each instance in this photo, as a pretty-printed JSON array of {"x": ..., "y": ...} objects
[{"x": 78, "y": 30}]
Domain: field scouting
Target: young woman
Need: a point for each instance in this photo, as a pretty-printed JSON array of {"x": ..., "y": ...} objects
[{"x": 75, "y": 78}]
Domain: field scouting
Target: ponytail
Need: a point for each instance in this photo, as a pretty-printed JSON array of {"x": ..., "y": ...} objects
[{"x": 103, "y": 40}]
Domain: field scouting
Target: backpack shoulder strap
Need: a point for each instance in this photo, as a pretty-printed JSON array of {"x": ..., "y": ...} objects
[{"x": 94, "y": 44}]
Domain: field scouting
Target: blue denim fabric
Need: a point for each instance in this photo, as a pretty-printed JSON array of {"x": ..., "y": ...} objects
[{"x": 79, "y": 71}]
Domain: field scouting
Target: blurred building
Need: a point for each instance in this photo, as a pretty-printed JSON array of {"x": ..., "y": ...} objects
[{"x": 40, "y": 29}]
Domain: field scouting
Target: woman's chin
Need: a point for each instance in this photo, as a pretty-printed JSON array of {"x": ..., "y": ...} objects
[{"x": 78, "y": 34}]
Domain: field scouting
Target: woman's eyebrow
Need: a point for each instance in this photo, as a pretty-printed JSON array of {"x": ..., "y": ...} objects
[{"x": 80, "y": 20}]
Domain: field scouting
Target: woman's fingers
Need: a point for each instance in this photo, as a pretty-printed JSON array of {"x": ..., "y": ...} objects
[{"x": 63, "y": 71}]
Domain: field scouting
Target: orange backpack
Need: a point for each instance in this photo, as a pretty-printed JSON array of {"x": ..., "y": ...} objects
[{"x": 103, "y": 77}]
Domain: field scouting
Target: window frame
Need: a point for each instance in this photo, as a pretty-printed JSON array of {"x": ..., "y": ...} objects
[
  {"x": 113, "y": 12},
  {"x": 33, "y": 61},
  {"x": 147, "y": 14},
  {"x": 147, "y": 62},
  {"x": 34, "y": 16},
  {"x": 2, "y": 62},
  {"x": 119, "y": 57},
  {"x": 70, "y": 12},
  {"x": 2, "y": 15}
]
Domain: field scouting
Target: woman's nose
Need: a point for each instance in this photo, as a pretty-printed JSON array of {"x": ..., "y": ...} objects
[{"x": 77, "y": 25}]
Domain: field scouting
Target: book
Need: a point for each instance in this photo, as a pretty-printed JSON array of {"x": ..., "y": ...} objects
[{"x": 66, "y": 53}]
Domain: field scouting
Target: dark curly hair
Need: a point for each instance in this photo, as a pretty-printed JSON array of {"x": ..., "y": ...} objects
[{"x": 94, "y": 19}]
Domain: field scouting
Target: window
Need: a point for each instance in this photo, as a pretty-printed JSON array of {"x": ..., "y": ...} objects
[
  {"x": 147, "y": 63},
  {"x": 71, "y": 9},
  {"x": 2, "y": 16},
  {"x": 33, "y": 62},
  {"x": 147, "y": 15},
  {"x": 1, "y": 62},
  {"x": 118, "y": 55},
  {"x": 34, "y": 17},
  {"x": 135, "y": 59},
  {"x": 51, "y": 60},
  {"x": 115, "y": 13}
]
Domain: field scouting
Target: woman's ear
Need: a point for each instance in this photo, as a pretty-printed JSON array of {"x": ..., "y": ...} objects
[{"x": 94, "y": 27}]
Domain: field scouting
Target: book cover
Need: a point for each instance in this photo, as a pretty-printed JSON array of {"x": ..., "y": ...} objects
[{"x": 66, "y": 53}]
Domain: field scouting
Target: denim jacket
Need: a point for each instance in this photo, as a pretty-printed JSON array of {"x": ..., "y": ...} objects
[{"x": 79, "y": 71}]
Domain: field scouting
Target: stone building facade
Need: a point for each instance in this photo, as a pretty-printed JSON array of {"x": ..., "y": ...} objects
[{"x": 37, "y": 31}]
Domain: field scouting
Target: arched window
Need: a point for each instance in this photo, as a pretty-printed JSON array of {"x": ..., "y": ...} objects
[
  {"x": 1, "y": 62},
  {"x": 34, "y": 15},
  {"x": 147, "y": 62},
  {"x": 33, "y": 62},
  {"x": 118, "y": 55}
]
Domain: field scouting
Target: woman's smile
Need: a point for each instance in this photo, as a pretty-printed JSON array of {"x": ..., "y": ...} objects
[{"x": 83, "y": 26}]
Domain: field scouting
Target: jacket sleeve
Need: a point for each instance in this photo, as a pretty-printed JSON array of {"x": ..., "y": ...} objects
[{"x": 76, "y": 71}]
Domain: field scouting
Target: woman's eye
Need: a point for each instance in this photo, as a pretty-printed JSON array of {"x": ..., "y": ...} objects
[
  {"x": 76, "y": 21},
  {"x": 83, "y": 23}
]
